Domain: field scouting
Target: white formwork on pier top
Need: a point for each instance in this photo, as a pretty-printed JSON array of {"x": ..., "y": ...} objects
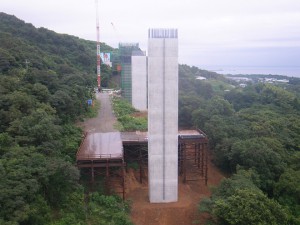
[{"x": 163, "y": 115}]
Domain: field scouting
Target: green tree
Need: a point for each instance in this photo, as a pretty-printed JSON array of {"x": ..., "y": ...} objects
[
  {"x": 35, "y": 128},
  {"x": 187, "y": 104},
  {"x": 249, "y": 207},
  {"x": 18, "y": 185},
  {"x": 258, "y": 155},
  {"x": 287, "y": 191},
  {"x": 108, "y": 210},
  {"x": 237, "y": 200}
]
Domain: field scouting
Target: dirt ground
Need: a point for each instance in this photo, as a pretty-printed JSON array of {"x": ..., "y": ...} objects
[{"x": 183, "y": 212}]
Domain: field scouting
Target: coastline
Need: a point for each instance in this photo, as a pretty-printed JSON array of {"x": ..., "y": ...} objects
[{"x": 293, "y": 71}]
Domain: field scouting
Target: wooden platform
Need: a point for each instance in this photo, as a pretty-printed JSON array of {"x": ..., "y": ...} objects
[
  {"x": 96, "y": 146},
  {"x": 102, "y": 153},
  {"x": 102, "y": 146},
  {"x": 136, "y": 137}
]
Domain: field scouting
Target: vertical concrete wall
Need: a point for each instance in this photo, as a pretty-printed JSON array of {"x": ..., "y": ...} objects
[
  {"x": 163, "y": 115},
  {"x": 139, "y": 82}
]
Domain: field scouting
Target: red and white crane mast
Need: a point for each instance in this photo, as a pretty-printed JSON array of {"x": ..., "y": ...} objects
[{"x": 98, "y": 48}]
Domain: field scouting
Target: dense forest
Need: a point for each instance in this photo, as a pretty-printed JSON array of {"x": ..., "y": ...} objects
[
  {"x": 254, "y": 135},
  {"x": 45, "y": 81}
]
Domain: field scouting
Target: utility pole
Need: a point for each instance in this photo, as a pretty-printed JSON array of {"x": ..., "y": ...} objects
[
  {"x": 98, "y": 48},
  {"x": 27, "y": 62}
]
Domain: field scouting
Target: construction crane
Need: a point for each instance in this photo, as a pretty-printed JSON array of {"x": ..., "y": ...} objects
[
  {"x": 98, "y": 48},
  {"x": 113, "y": 26}
]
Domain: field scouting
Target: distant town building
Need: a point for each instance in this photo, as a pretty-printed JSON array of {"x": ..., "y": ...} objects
[{"x": 200, "y": 78}]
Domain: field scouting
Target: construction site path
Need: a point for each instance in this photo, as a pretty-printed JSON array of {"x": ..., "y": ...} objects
[{"x": 105, "y": 120}]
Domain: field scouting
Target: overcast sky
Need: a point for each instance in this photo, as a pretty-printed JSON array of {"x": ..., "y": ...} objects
[{"x": 211, "y": 32}]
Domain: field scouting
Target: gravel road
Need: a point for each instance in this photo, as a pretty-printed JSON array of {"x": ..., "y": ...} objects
[{"x": 105, "y": 120}]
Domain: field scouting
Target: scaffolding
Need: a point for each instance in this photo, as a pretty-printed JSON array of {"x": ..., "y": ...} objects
[
  {"x": 125, "y": 53},
  {"x": 135, "y": 146},
  {"x": 109, "y": 154},
  {"x": 193, "y": 156},
  {"x": 102, "y": 154}
]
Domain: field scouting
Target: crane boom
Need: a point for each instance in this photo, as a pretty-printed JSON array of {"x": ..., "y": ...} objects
[{"x": 98, "y": 47}]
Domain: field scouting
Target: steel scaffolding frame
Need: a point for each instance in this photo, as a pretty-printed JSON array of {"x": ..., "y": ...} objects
[
  {"x": 112, "y": 169},
  {"x": 192, "y": 160}
]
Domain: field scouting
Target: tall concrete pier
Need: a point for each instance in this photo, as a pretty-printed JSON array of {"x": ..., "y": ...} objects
[{"x": 163, "y": 115}]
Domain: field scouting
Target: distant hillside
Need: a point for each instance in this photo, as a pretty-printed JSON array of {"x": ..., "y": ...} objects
[
  {"x": 45, "y": 81},
  {"x": 43, "y": 49}
]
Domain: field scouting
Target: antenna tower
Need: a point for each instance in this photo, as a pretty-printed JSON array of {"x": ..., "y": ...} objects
[{"x": 98, "y": 48}]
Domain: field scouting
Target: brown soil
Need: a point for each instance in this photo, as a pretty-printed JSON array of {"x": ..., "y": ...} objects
[{"x": 185, "y": 211}]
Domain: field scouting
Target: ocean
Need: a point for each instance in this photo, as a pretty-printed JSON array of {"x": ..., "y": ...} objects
[{"x": 286, "y": 71}]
